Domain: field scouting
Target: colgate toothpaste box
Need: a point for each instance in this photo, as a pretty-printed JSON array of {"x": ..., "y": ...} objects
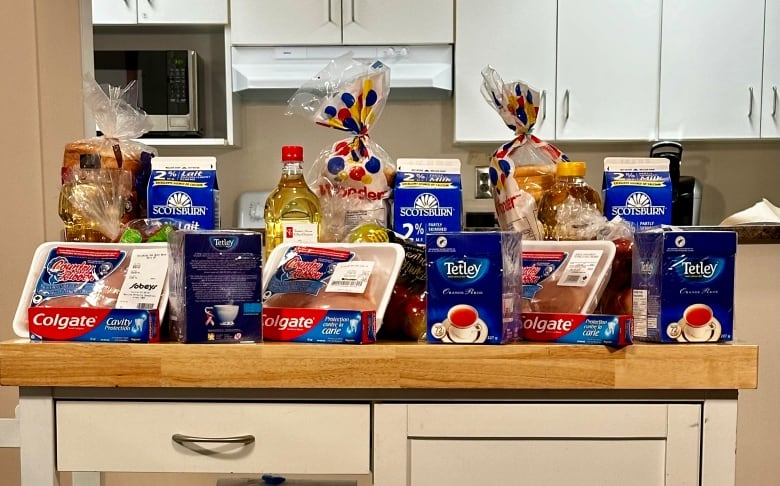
[
  {"x": 577, "y": 328},
  {"x": 427, "y": 198},
  {"x": 474, "y": 284},
  {"x": 94, "y": 292},
  {"x": 684, "y": 285},
  {"x": 215, "y": 281},
  {"x": 328, "y": 292}
]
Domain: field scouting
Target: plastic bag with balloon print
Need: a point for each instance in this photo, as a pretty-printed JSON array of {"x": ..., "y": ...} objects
[
  {"x": 524, "y": 167},
  {"x": 354, "y": 176}
]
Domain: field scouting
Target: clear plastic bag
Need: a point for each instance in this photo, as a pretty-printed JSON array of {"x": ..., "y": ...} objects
[
  {"x": 354, "y": 176},
  {"x": 523, "y": 168},
  {"x": 120, "y": 120}
]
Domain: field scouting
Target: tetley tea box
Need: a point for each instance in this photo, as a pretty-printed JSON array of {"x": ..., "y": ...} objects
[
  {"x": 684, "y": 285},
  {"x": 474, "y": 287}
]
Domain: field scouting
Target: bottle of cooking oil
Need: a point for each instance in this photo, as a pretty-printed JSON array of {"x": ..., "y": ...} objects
[
  {"x": 292, "y": 210},
  {"x": 571, "y": 209}
]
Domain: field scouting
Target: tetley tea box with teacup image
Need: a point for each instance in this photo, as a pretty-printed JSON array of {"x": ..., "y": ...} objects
[
  {"x": 684, "y": 285},
  {"x": 474, "y": 287}
]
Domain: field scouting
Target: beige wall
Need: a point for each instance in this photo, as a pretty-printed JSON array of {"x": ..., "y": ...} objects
[{"x": 40, "y": 51}]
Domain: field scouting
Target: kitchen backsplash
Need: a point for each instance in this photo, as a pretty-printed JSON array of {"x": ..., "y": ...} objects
[{"x": 734, "y": 174}]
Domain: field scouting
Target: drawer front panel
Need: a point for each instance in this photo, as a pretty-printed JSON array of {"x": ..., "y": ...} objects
[{"x": 292, "y": 438}]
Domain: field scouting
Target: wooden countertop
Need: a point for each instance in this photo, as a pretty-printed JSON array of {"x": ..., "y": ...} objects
[{"x": 398, "y": 366}]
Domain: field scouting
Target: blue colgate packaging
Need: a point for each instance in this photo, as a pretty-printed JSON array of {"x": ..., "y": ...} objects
[
  {"x": 186, "y": 189},
  {"x": 639, "y": 190},
  {"x": 215, "y": 282},
  {"x": 684, "y": 285},
  {"x": 94, "y": 292},
  {"x": 474, "y": 286},
  {"x": 427, "y": 197},
  {"x": 328, "y": 292}
]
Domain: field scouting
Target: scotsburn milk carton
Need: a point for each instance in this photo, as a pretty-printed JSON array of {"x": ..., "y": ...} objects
[
  {"x": 427, "y": 197},
  {"x": 474, "y": 286},
  {"x": 185, "y": 188},
  {"x": 639, "y": 190},
  {"x": 684, "y": 285}
]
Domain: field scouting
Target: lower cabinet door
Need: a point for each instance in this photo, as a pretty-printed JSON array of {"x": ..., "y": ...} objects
[
  {"x": 214, "y": 437},
  {"x": 540, "y": 444}
]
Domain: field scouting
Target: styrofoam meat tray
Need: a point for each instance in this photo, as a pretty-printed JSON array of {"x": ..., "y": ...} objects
[{"x": 387, "y": 258}]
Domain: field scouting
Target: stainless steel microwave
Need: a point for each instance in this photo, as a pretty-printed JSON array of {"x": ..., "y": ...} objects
[{"x": 167, "y": 83}]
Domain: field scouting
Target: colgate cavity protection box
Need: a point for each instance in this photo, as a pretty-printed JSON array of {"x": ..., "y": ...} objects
[
  {"x": 639, "y": 190},
  {"x": 94, "y": 292},
  {"x": 684, "y": 285},
  {"x": 427, "y": 198},
  {"x": 474, "y": 287},
  {"x": 215, "y": 286}
]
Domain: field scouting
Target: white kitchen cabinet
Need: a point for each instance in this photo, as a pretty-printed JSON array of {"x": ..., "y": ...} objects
[
  {"x": 596, "y": 63},
  {"x": 480, "y": 41},
  {"x": 607, "y": 81},
  {"x": 598, "y": 443},
  {"x": 348, "y": 22},
  {"x": 770, "y": 99},
  {"x": 128, "y": 12},
  {"x": 711, "y": 62}
]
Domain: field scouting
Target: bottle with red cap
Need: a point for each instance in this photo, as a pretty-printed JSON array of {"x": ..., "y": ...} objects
[{"x": 292, "y": 210}]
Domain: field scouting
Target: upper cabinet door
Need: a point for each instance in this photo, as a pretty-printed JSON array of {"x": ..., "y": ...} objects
[
  {"x": 608, "y": 58},
  {"x": 397, "y": 22},
  {"x": 291, "y": 22},
  {"x": 711, "y": 68},
  {"x": 481, "y": 41},
  {"x": 770, "y": 111},
  {"x": 114, "y": 12},
  {"x": 182, "y": 12}
]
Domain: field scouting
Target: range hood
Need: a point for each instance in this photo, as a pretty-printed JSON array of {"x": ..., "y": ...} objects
[{"x": 422, "y": 70}]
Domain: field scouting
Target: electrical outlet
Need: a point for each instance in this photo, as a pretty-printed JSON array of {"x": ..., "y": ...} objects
[{"x": 482, "y": 189}]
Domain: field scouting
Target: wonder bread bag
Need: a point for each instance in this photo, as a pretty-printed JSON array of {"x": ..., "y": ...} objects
[
  {"x": 524, "y": 167},
  {"x": 120, "y": 121},
  {"x": 354, "y": 176}
]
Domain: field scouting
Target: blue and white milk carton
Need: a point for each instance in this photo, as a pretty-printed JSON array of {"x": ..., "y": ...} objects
[
  {"x": 474, "y": 286},
  {"x": 215, "y": 282},
  {"x": 684, "y": 285},
  {"x": 185, "y": 188},
  {"x": 639, "y": 190},
  {"x": 427, "y": 198}
]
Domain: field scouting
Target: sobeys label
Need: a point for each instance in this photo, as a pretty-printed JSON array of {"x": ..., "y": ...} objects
[{"x": 185, "y": 188}]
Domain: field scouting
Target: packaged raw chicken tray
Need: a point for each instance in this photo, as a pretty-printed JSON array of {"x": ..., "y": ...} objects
[
  {"x": 562, "y": 284},
  {"x": 94, "y": 292},
  {"x": 328, "y": 292}
]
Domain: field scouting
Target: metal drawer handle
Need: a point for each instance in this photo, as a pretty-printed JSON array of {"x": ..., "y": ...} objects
[
  {"x": 544, "y": 105},
  {"x": 750, "y": 101},
  {"x": 566, "y": 101},
  {"x": 188, "y": 439},
  {"x": 774, "y": 101}
]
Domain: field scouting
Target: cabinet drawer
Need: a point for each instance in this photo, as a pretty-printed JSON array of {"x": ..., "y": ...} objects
[{"x": 291, "y": 438}]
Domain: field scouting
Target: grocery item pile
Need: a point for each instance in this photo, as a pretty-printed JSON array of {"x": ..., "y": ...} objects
[{"x": 360, "y": 249}]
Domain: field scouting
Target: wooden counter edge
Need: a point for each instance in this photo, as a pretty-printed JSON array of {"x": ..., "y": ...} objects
[{"x": 523, "y": 366}]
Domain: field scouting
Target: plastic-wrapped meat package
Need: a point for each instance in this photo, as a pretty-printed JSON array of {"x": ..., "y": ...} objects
[
  {"x": 328, "y": 292},
  {"x": 565, "y": 276}
]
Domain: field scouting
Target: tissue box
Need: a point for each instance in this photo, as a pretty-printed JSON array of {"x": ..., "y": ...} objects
[{"x": 684, "y": 285}]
